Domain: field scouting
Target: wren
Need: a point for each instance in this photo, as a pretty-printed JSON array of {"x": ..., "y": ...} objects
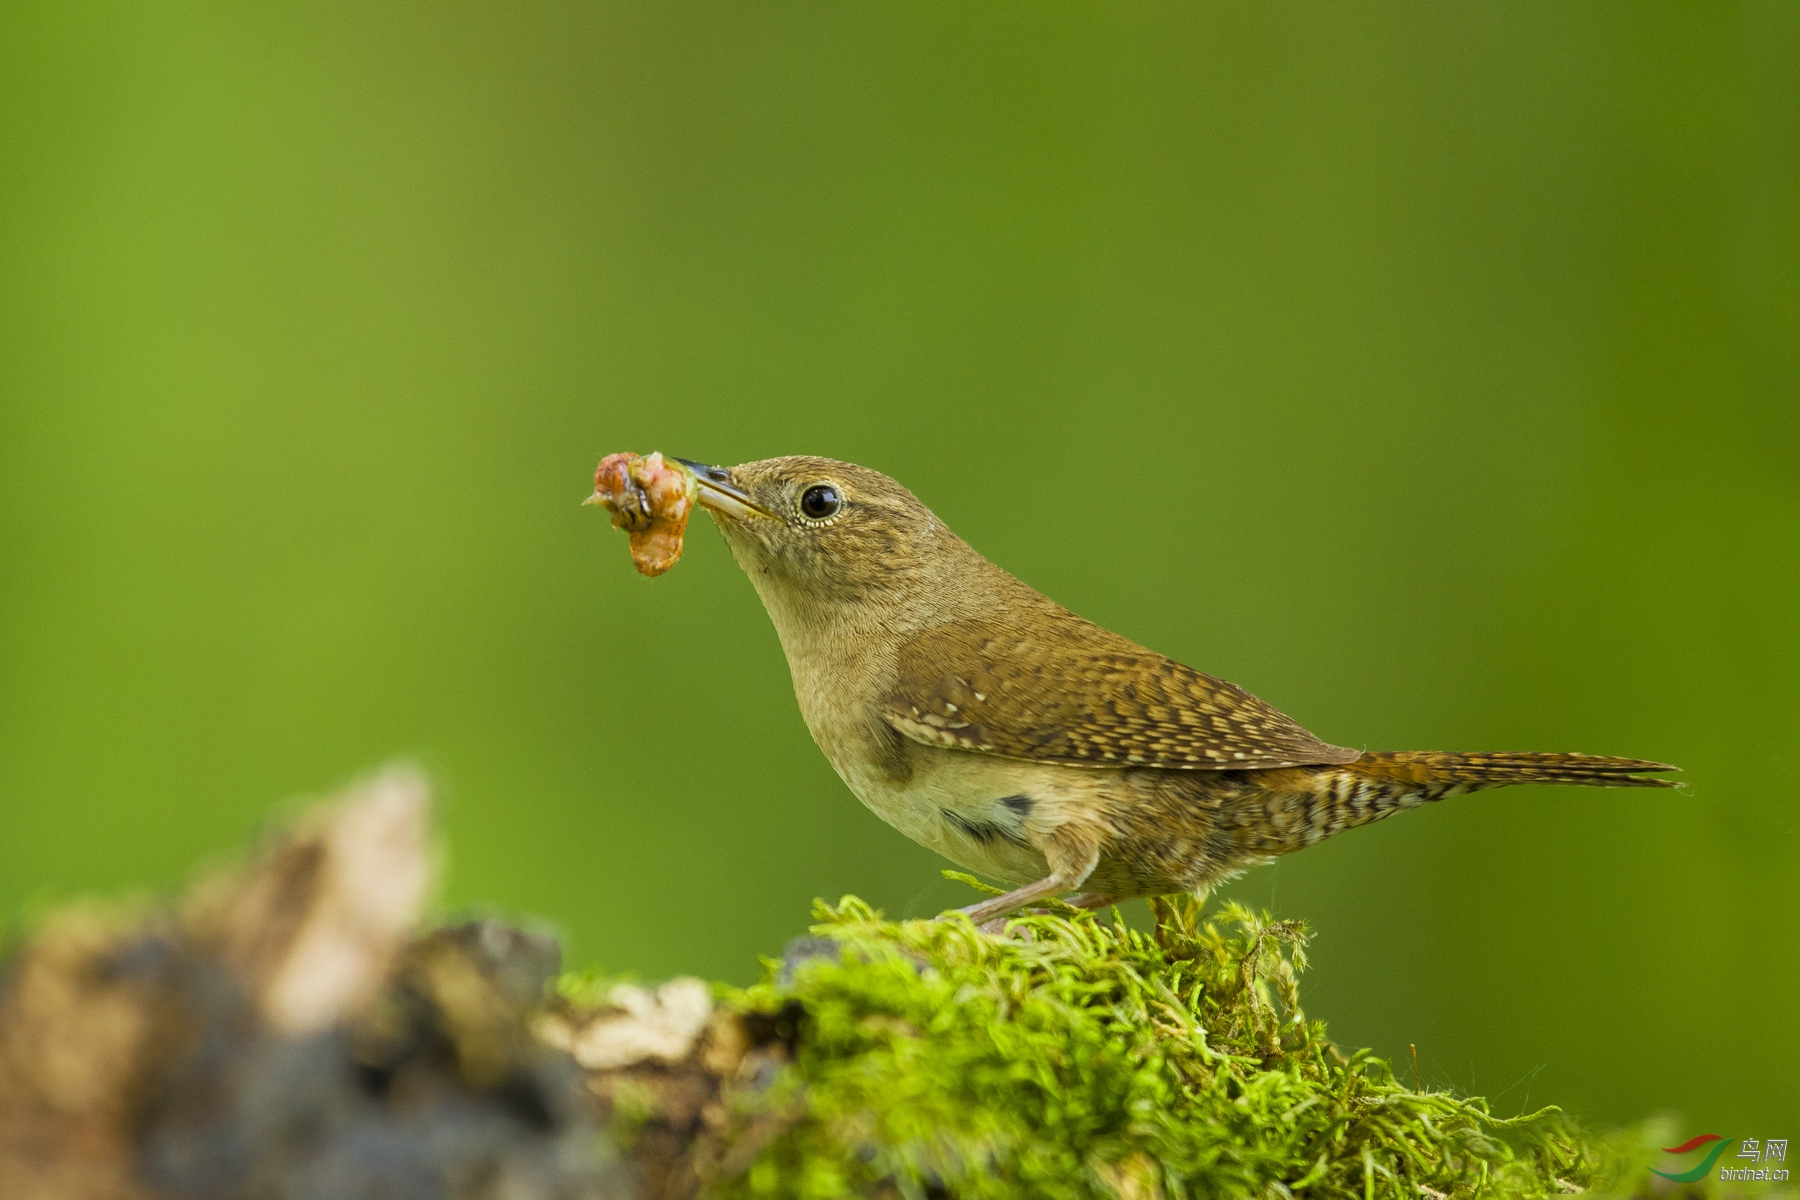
[{"x": 985, "y": 721}]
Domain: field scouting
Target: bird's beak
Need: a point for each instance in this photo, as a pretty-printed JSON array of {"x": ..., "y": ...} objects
[{"x": 718, "y": 493}]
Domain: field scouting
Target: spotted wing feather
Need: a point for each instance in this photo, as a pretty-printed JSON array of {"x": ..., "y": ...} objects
[{"x": 1068, "y": 691}]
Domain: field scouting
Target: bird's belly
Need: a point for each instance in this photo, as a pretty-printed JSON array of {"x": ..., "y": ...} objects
[
  {"x": 949, "y": 801},
  {"x": 965, "y": 812},
  {"x": 986, "y": 813},
  {"x": 971, "y": 808}
]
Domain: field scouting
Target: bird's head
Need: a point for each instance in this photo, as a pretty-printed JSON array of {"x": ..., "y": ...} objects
[{"x": 821, "y": 538}]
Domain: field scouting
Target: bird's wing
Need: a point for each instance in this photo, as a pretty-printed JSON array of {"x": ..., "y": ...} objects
[{"x": 1075, "y": 693}]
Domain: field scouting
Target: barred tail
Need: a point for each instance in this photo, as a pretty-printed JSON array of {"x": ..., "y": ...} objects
[
  {"x": 1337, "y": 798},
  {"x": 1477, "y": 771}
]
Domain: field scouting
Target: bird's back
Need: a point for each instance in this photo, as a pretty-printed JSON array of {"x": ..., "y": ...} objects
[{"x": 1038, "y": 682}]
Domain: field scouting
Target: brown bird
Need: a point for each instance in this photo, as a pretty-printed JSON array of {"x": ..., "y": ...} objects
[{"x": 985, "y": 721}]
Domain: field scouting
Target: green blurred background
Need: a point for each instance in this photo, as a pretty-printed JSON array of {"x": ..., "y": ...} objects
[{"x": 1463, "y": 338}]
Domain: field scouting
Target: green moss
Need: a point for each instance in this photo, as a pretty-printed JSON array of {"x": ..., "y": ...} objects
[{"x": 1081, "y": 1058}]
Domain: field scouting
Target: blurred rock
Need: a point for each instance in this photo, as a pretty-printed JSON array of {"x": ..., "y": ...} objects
[
  {"x": 637, "y": 1026},
  {"x": 78, "y": 1027},
  {"x": 312, "y": 925},
  {"x": 665, "y": 1064},
  {"x": 283, "y": 1034}
]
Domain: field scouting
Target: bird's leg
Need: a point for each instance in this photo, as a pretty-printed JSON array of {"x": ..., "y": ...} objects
[
  {"x": 1018, "y": 898},
  {"x": 1069, "y": 867},
  {"x": 1086, "y": 901}
]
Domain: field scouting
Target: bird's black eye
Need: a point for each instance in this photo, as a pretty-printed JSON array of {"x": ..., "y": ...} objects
[{"x": 820, "y": 501}]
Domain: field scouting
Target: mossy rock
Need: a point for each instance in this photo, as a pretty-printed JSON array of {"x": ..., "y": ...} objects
[{"x": 1078, "y": 1057}]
